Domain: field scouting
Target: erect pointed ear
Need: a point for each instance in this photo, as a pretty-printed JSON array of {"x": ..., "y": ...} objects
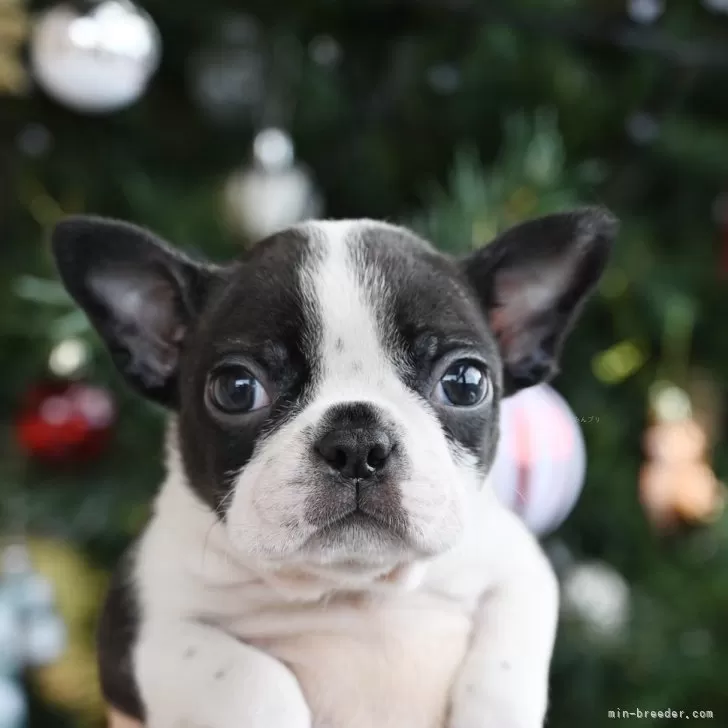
[
  {"x": 138, "y": 293},
  {"x": 532, "y": 282}
]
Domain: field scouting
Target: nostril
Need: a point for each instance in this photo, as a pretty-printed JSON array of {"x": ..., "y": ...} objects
[
  {"x": 378, "y": 456},
  {"x": 339, "y": 459},
  {"x": 379, "y": 452}
]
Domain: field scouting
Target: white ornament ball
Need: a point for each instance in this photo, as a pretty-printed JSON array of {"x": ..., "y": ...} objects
[
  {"x": 645, "y": 11},
  {"x": 29, "y": 592},
  {"x": 719, "y": 6},
  {"x": 274, "y": 192},
  {"x": 13, "y": 705},
  {"x": 227, "y": 77},
  {"x": 11, "y": 647},
  {"x": 540, "y": 464},
  {"x": 96, "y": 62},
  {"x": 45, "y": 639},
  {"x": 598, "y": 596}
]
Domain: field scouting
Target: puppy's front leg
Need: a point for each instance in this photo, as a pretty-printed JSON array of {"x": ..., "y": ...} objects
[
  {"x": 503, "y": 682},
  {"x": 194, "y": 676}
]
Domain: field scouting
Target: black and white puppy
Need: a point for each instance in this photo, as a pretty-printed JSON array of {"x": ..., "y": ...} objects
[{"x": 326, "y": 551}]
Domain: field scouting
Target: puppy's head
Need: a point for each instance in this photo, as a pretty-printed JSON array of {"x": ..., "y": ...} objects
[{"x": 337, "y": 387}]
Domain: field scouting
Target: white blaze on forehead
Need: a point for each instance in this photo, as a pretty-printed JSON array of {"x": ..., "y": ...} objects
[{"x": 352, "y": 356}]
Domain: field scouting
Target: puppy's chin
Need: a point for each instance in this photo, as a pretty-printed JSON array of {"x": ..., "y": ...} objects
[
  {"x": 356, "y": 552},
  {"x": 356, "y": 541}
]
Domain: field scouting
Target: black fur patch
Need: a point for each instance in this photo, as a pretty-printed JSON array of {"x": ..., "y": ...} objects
[
  {"x": 116, "y": 634},
  {"x": 259, "y": 315}
]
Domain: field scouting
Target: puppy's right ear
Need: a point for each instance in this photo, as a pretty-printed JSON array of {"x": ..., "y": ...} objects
[{"x": 139, "y": 294}]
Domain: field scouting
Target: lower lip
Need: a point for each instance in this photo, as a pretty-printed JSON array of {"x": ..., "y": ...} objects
[{"x": 355, "y": 519}]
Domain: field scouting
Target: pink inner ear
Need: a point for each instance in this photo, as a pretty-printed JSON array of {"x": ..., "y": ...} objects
[
  {"x": 513, "y": 308},
  {"x": 520, "y": 294}
]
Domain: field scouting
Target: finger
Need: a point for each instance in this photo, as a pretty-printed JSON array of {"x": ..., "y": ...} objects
[{"x": 119, "y": 720}]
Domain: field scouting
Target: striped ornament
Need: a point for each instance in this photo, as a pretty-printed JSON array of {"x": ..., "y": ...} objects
[{"x": 541, "y": 460}]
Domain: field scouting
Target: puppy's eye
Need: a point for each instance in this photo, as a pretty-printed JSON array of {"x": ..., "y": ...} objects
[
  {"x": 234, "y": 390},
  {"x": 464, "y": 384}
]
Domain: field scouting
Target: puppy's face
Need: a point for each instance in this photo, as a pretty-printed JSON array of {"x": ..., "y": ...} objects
[{"x": 337, "y": 387}]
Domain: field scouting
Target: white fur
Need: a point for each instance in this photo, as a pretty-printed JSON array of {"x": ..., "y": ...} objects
[{"x": 241, "y": 627}]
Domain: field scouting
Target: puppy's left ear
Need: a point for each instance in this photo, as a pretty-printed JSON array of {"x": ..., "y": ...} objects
[{"x": 533, "y": 280}]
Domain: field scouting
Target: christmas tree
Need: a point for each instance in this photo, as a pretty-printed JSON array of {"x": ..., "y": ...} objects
[{"x": 212, "y": 125}]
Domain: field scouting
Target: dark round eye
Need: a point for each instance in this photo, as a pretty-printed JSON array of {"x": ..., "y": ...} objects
[
  {"x": 234, "y": 390},
  {"x": 464, "y": 384}
]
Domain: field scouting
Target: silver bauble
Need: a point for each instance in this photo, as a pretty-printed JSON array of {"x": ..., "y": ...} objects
[
  {"x": 274, "y": 192},
  {"x": 13, "y": 705},
  {"x": 96, "y": 62}
]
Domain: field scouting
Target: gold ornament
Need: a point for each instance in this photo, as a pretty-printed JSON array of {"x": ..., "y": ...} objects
[
  {"x": 72, "y": 682},
  {"x": 677, "y": 483},
  {"x": 14, "y": 28}
]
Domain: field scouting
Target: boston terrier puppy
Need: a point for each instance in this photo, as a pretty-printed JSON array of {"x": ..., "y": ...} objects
[{"x": 326, "y": 550}]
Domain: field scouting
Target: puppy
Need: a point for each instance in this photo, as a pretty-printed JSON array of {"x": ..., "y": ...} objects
[{"x": 326, "y": 550}]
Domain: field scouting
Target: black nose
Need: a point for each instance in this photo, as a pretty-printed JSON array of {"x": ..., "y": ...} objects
[{"x": 356, "y": 453}]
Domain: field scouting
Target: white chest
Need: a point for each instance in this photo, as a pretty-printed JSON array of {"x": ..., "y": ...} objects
[{"x": 376, "y": 664}]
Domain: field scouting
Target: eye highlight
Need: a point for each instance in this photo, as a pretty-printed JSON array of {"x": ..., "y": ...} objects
[
  {"x": 465, "y": 383},
  {"x": 233, "y": 390}
]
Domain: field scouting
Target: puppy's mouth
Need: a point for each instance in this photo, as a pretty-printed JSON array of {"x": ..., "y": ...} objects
[
  {"x": 358, "y": 518},
  {"x": 367, "y": 523},
  {"x": 356, "y": 540},
  {"x": 365, "y": 506}
]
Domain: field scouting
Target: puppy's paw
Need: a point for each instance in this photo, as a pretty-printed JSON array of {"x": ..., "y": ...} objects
[
  {"x": 495, "y": 712},
  {"x": 254, "y": 706},
  {"x": 280, "y": 705}
]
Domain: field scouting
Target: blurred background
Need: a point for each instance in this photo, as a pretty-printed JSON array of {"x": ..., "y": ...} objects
[{"x": 215, "y": 123}]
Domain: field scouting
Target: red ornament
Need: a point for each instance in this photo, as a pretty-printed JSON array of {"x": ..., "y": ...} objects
[{"x": 65, "y": 422}]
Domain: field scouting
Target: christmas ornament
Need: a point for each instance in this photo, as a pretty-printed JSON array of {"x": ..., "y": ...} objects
[
  {"x": 42, "y": 634},
  {"x": 226, "y": 78},
  {"x": 541, "y": 459},
  {"x": 645, "y": 11},
  {"x": 34, "y": 140},
  {"x": 599, "y": 597},
  {"x": 718, "y": 6},
  {"x": 13, "y": 705},
  {"x": 643, "y": 128},
  {"x": 13, "y": 32},
  {"x": 68, "y": 357},
  {"x": 29, "y": 591},
  {"x": 26, "y": 610},
  {"x": 70, "y": 684},
  {"x": 325, "y": 51},
  {"x": 95, "y": 62},
  {"x": 274, "y": 192},
  {"x": 63, "y": 421},
  {"x": 444, "y": 78},
  {"x": 11, "y": 647},
  {"x": 720, "y": 215},
  {"x": 45, "y": 639},
  {"x": 676, "y": 483}
]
